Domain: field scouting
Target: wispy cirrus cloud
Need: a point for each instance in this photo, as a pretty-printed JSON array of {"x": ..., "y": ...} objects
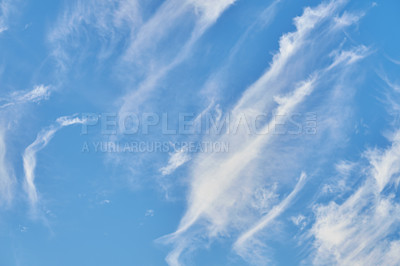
[
  {"x": 5, "y": 10},
  {"x": 113, "y": 20},
  {"x": 216, "y": 81},
  {"x": 395, "y": 61},
  {"x": 41, "y": 141},
  {"x": 164, "y": 21},
  {"x": 73, "y": 32},
  {"x": 221, "y": 184},
  {"x": 359, "y": 226},
  {"x": 181, "y": 156},
  {"x": 242, "y": 244},
  {"x": 210, "y": 10},
  {"x": 167, "y": 18},
  {"x": 7, "y": 178},
  {"x": 121, "y": 24},
  {"x": 38, "y": 94},
  {"x": 8, "y": 106},
  {"x": 176, "y": 160},
  {"x": 357, "y": 231}
]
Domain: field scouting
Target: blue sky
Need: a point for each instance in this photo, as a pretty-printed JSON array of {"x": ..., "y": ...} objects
[{"x": 199, "y": 132}]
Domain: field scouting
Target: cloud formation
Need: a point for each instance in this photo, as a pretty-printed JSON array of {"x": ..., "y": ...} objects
[
  {"x": 7, "y": 178},
  {"x": 38, "y": 94},
  {"x": 221, "y": 184},
  {"x": 8, "y": 106},
  {"x": 293, "y": 175},
  {"x": 240, "y": 244},
  {"x": 176, "y": 160},
  {"x": 110, "y": 20},
  {"x": 5, "y": 10},
  {"x": 358, "y": 230},
  {"x": 41, "y": 141}
]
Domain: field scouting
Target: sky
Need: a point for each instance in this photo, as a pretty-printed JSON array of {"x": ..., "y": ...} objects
[{"x": 199, "y": 132}]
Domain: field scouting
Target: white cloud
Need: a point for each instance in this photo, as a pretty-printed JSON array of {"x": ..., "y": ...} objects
[
  {"x": 344, "y": 167},
  {"x": 357, "y": 231},
  {"x": 289, "y": 44},
  {"x": 349, "y": 56},
  {"x": 38, "y": 94},
  {"x": 106, "y": 201},
  {"x": 110, "y": 20},
  {"x": 265, "y": 197},
  {"x": 7, "y": 179},
  {"x": 348, "y": 19},
  {"x": 217, "y": 175},
  {"x": 210, "y": 10},
  {"x": 339, "y": 185},
  {"x": 29, "y": 156},
  {"x": 176, "y": 160},
  {"x": 166, "y": 18},
  {"x": 5, "y": 10},
  {"x": 241, "y": 243},
  {"x": 23, "y": 229},
  {"x": 114, "y": 20},
  {"x": 215, "y": 82},
  {"x": 149, "y": 213},
  {"x": 222, "y": 185},
  {"x": 385, "y": 164},
  {"x": 299, "y": 221},
  {"x": 397, "y": 62},
  {"x": 391, "y": 84}
]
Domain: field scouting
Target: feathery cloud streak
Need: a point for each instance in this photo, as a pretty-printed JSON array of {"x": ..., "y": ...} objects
[
  {"x": 168, "y": 15},
  {"x": 5, "y": 10},
  {"x": 357, "y": 231},
  {"x": 41, "y": 141},
  {"x": 7, "y": 179},
  {"x": 8, "y": 104},
  {"x": 111, "y": 21},
  {"x": 215, "y": 191},
  {"x": 38, "y": 94},
  {"x": 362, "y": 229},
  {"x": 240, "y": 243}
]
